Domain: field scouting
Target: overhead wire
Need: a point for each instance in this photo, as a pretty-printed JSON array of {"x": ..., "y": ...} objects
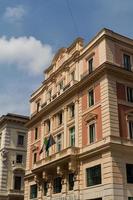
[{"x": 73, "y": 19}]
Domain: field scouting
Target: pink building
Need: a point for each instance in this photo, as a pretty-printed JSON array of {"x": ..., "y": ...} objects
[{"x": 85, "y": 104}]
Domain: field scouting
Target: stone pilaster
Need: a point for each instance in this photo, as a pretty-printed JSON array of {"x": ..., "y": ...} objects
[
  {"x": 65, "y": 127},
  {"x": 76, "y": 121}
]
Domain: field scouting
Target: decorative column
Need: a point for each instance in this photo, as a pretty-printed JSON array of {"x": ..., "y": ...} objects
[
  {"x": 76, "y": 121},
  {"x": 49, "y": 193},
  {"x": 74, "y": 168},
  {"x": 64, "y": 181},
  {"x": 65, "y": 127},
  {"x": 39, "y": 185}
]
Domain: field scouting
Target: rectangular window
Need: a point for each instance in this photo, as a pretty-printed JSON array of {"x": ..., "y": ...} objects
[
  {"x": 131, "y": 129},
  {"x": 72, "y": 136},
  {"x": 58, "y": 143},
  {"x": 72, "y": 110},
  {"x": 90, "y": 65},
  {"x": 57, "y": 185},
  {"x": 93, "y": 175},
  {"x": 17, "y": 183},
  {"x": 130, "y": 94},
  {"x": 34, "y": 157},
  {"x": 49, "y": 94},
  {"x": 33, "y": 191},
  {"x": 127, "y": 62},
  {"x": 61, "y": 85},
  {"x": 129, "y": 170},
  {"x": 73, "y": 76},
  {"x": 45, "y": 188},
  {"x": 38, "y": 106},
  {"x": 91, "y": 98},
  {"x": 71, "y": 181},
  {"x": 60, "y": 118},
  {"x": 36, "y": 133},
  {"x": 20, "y": 140},
  {"x": 92, "y": 134},
  {"x": 19, "y": 158},
  {"x": 48, "y": 126}
]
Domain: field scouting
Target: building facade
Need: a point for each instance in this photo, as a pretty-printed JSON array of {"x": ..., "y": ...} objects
[
  {"x": 86, "y": 104},
  {"x": 13, "y": 143}
]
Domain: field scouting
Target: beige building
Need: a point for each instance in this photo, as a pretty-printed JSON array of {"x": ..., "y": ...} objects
[
  {"x": 13, "y": 141},
  {"x": 85, "y": 105}
]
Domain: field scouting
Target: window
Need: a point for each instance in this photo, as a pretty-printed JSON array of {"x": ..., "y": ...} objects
[
  {"x": 48, "y": 126},
  {"x": 17, "y": 183},
  {"x": 36, "y": 133},
  {"x": 72, "y": 136},
  {"x": 20, "y": 140},
  {"x": 91, "y": 98},
  {"x": 131, "y": 129},
  {"x": 72, "y": 110},
  {"x": 49, "y": 94},
  {"x": 92, "y": 134},
  {"x": 93, "y": 175},
  {"x": 57, "y": 185},
  {"x": 45, "y": 188},
  {"x": 127, "y": 62},
  {"x": 130, "y": 94},
  {"x": 130, "y": 198},
  {"x": 90, "y": 65},
  {"x": 58, "y": 143},
  {"x": 72, "y": 75},
  {"x": 19, "y": 158},
  {"x": 38, "y": 106},
  {"x": 61, "y": 85},
  {"x": 34, "y": 157},
  {"x": 71, "y": 181},
  {"x": 33, "y": 191},
  {"x": 60, "y": 118},
  {"x": 129, "y": 170}
]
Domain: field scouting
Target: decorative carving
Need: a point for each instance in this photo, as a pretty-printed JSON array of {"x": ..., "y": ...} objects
[
  {"x": 44, "y": 176},
  {"x": 4, "y": 153},
  {"x": 59, "y": 171},
  {"x": 89, "y": 117},
  {"x": 72, "y": 166}
]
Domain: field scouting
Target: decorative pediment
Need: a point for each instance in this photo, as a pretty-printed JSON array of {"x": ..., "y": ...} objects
[
  {"x": 58, "y": 55},
  {"x": 89, "y": 117}
]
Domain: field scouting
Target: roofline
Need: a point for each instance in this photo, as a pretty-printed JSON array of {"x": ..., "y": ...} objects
[
  {"x": 100, "y": 34},
  {"x": 14, "y": 117},
  {"x": 78, "y": 39}
]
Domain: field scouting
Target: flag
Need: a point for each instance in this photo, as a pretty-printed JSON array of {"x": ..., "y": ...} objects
[
  {"x": 44, "y": 145},
  {"x": 50, "y": 142}
]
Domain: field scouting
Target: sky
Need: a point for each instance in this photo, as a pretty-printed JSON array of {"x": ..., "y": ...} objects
[{"x": 31, "y": 32}]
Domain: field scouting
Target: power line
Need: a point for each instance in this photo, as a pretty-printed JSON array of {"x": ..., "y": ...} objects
[{"x": 73, "y": 20}]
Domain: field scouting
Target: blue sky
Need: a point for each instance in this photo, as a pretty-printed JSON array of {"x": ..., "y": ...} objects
[{"x": 31, "y": 31}]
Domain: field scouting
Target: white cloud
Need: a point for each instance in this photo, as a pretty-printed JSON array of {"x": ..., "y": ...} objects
[
  {"x": 26, "y": 53},
  {"x": 14, "y": 14}
]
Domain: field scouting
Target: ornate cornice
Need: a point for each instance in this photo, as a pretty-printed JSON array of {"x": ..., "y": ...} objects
[{"x": 105, "y": 68}]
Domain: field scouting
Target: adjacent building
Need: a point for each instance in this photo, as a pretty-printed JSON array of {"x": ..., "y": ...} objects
[
  {"x": 86, "y": 105},
  {"x": 13, "y": 143}
]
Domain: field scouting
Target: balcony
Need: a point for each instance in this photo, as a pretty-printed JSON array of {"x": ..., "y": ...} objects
[
  {"x": 62, "y": 155},
  {"x": 84, "y": 74},
  {"x": 19, "y": 194},
  {"x": 44, "y": 104},
  {"x": 18, "y": 166},
  {"x": 13, "y": 191}
]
